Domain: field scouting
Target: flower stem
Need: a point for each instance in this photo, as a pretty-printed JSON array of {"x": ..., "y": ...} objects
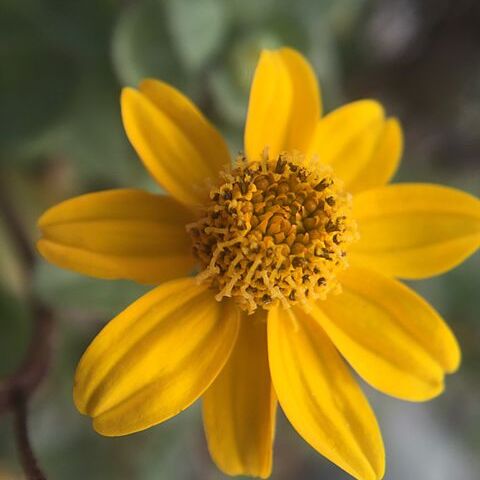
[
  {"x": 17, "y": 388},
  {"x": 27, "y": 457}
]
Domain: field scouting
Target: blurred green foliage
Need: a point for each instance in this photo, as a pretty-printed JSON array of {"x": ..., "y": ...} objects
[{"x": 63, "y": 63}]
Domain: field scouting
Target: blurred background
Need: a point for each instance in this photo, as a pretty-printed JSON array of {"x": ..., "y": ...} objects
[{"x": 63, "y": 63}]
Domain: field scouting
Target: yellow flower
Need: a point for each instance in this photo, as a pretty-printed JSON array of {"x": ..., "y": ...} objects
[{"x": 293, "y": 273}]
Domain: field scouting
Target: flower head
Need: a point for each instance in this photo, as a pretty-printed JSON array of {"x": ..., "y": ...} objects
[
  {"x": 297, "y": 247},
  {"x": 274, "y": 232}
]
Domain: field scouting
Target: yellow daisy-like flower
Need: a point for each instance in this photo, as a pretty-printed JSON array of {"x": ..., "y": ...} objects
[{"x": 297, "y": 248}]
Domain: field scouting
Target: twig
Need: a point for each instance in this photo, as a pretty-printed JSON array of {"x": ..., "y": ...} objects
[
  {"x": 35, "y": 365},
  {"x": 16, "y": 229},
  {"x": 16, "y": 389},
  {"x": 29, "y": 462}
]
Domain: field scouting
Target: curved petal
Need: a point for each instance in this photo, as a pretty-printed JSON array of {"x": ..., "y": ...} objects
[
  {"x": 156, "y": 358},
  {"x": 394, "y": 339},
  {"x": 320, "y": 397},
  {"x": 284, "y": 104},
  {"x": 239, "y": 408},
  {"x": 415, "y": 230},
  {"x": 176, "y": 143},
  {"x": 127, "y": 234},
  {"x": 347, "y": 139},
  {"x": 383, "y": 163}
]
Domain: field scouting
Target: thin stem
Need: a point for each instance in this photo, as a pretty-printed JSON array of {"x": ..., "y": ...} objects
[
  {"x": 27, "y": 457},
  {"x": 16, "y": 389},
  {"x": 16, "y": 229}
]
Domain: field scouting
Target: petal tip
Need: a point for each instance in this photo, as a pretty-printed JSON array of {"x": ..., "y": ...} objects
[
  {"x": 47, "y": 217},
  {"x": 149, "y": 86},
  {"x": 291, "y": 51},
  {"x": 99, "y": 427},
  {"x": 39, "y": 246},
  {"x": 434, "y": 391},
  {"x": 42, "y": 221},
  {"x": 262, "y": 472},
  {"x": 127, "y": 95},
  {"x": 42, "y": 248},
  {"x": 148, "y": 81},
  {"x": 455, "y": 360},
  {"x": 78, "y": 401},
  {"x": 376, "y": 107}
]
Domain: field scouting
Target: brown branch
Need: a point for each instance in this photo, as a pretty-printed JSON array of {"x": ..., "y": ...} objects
[
  {"x": 35, "y": 365},
  {"x": 17, "y": 388},
  {"x": 27, "y": 458},
  {"x": 16, "y": 229}
]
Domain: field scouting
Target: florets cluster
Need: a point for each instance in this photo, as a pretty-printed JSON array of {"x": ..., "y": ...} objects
[{"x": 274, "y": 230}]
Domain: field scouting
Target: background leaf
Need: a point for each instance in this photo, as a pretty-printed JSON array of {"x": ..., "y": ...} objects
[
  {"x": 141, "y": 45},
  {"x": 197, "y": 28}
]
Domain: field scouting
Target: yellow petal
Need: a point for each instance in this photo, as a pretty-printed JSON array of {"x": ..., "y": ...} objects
[
  {"x": 394, "y": 339},
  {"x": 381, "y": 166},
  {"x": 347, "y": 138},
  {"x": 118, "y": 234},
  {"x": 415, "y": 230},
  {"x": 320, "y": 397},
  {"x": 284, "y": 104},
  {"x": 178, "y": 146},
  {"x": 187, "y": 116},
  {"x": 155, "y": 359},
  {"x": 239, "y": 408}
]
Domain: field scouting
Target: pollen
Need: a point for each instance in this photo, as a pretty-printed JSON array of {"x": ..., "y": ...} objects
[{"x": 274, "y": 231}]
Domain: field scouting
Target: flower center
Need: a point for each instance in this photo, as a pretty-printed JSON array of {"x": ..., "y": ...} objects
[{"x": 274, "y": 231}]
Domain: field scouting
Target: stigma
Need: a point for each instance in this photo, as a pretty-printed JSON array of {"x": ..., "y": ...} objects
[{"x": 274, "y": 231}]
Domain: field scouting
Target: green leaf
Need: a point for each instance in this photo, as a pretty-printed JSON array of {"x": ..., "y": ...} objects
[
  {"x": 36, "y": 82},
  {"x": 141, "y": 46},
  {"x": 252, "y": 12},
  {"x": 94, "y": 139},
  {"x": 198, "y": 28}
]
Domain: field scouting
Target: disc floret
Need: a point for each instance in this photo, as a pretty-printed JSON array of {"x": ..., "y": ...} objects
[{"x": 274, "y": 230}]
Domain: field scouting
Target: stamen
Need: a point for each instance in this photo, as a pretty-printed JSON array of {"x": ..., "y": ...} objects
[{"x": 274, "y": 231}]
